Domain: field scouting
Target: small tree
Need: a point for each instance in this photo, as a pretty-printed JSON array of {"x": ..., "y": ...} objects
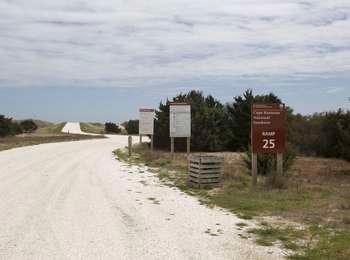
[
  {"x": 132, "y": 127},
  {"x": 112, "y": 128},
  {"x": 28, "y": 126}
]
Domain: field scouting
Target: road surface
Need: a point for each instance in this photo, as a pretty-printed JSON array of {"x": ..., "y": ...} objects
[
  {"x": 73, "y": 200},
  {"x": 72, "y": 128}
]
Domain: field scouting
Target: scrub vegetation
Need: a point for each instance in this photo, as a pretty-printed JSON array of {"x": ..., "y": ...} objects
[
  {"x": 226, "y": 127},
  {"x": 93, "y": 128},
  {"x": 112, "y": 128}
]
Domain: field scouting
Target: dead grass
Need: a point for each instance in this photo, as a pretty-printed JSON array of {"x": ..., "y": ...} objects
[
  {"x": 34, "y": 139},
  {"x": 329, "y": 181}
]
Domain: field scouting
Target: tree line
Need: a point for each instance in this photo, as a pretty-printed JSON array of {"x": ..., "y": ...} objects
[{"x": 226, "y": 127}]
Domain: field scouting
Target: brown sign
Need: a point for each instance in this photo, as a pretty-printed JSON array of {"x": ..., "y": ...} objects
[{"x": 268, "y": 134}]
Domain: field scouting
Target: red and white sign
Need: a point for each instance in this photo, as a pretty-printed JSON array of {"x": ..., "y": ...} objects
[
  {"x": 267, "y": 123},
  {"x": 146, "y": 121}
]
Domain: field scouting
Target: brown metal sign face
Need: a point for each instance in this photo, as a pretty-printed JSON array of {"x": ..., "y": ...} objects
[{"x": 268, "y": 133}]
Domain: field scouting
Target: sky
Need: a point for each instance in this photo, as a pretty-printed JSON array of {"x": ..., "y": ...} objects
[{"x": 69, "y": 60}]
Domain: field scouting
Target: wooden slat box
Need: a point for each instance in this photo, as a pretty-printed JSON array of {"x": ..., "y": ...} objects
[{"x": 205, "y": 170}]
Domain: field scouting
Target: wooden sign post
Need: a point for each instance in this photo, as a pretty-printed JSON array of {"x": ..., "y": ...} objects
[
  {"x": 180, "y": 124},
  {"x": 146, "y": 123},
  {"x": 267, "y": 135},
  {"x": 130, "y": 145}
]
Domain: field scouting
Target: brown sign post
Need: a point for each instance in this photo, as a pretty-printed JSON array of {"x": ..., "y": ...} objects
[{"x": 267, "y": 134}]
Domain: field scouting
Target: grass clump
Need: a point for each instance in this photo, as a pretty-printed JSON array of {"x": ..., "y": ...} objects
[
  {"x": 309, "y": 243},
  {"x": 325, "y": 243},
  {"x": 288, "y": 236}
]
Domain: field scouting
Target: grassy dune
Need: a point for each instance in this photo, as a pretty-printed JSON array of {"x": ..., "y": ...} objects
[
  {"x": 51, "y": 129},
  {"x": 94, "y": 128}
]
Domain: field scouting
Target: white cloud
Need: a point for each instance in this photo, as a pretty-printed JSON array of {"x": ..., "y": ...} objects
[{"x": 140, "y": 43}]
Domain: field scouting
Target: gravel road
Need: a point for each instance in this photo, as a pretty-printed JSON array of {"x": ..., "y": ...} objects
[{"x": 73, "y": 200}]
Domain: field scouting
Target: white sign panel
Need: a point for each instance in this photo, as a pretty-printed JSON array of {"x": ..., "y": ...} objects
[
  {"x": 146, "y": 121},
  {"x": 180, "y": 120}
]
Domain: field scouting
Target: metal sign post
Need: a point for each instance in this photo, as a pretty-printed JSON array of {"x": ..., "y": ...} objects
[
  {"x": 180, "y": 124},
  {"x": 267, "y": 134}
]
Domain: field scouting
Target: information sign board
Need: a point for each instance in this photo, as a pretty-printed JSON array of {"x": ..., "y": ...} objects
[
  {"x": 146, "y": 121},
  {"x": 180, "y": 120}
]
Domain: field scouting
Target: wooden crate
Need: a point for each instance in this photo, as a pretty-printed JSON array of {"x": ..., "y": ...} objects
[{"x": 205, "y": 170}]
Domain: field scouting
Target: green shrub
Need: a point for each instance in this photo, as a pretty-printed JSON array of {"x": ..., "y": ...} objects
[
  {"x": 218, "y": 127},
  {"x": 112, "y": 128},
  {"x": 132, "y": 127},
  {"x": 8, "y": 127},
  {"x": 267, "y": 166},
  {"x": 28, "y": 126}
]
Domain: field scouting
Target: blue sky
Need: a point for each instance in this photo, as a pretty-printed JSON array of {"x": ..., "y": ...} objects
[{"x": 101, "y": 60}]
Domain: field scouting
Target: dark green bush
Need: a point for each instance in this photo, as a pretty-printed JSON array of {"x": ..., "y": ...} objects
[
  {"x": 132, "y": 127},
  {"x": 217, "y": 127},
  {"x": 8, "y": 127},
  {"x": 209, "y": 132},
  {"x": 267, "y": 162},
  {"x": 28, "y": 126},
  {"x": 267, "y": 166},
  {"x": 112, "y": 128}
]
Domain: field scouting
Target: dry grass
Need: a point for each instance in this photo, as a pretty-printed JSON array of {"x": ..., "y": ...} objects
[
  {"x": 34, "y": 139},
  {"x": 329, "y": 181},
  {"x": 94, "y": 128},
  {"x": 318, "y": 189},
  {"x": 52, "y": 129}
]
